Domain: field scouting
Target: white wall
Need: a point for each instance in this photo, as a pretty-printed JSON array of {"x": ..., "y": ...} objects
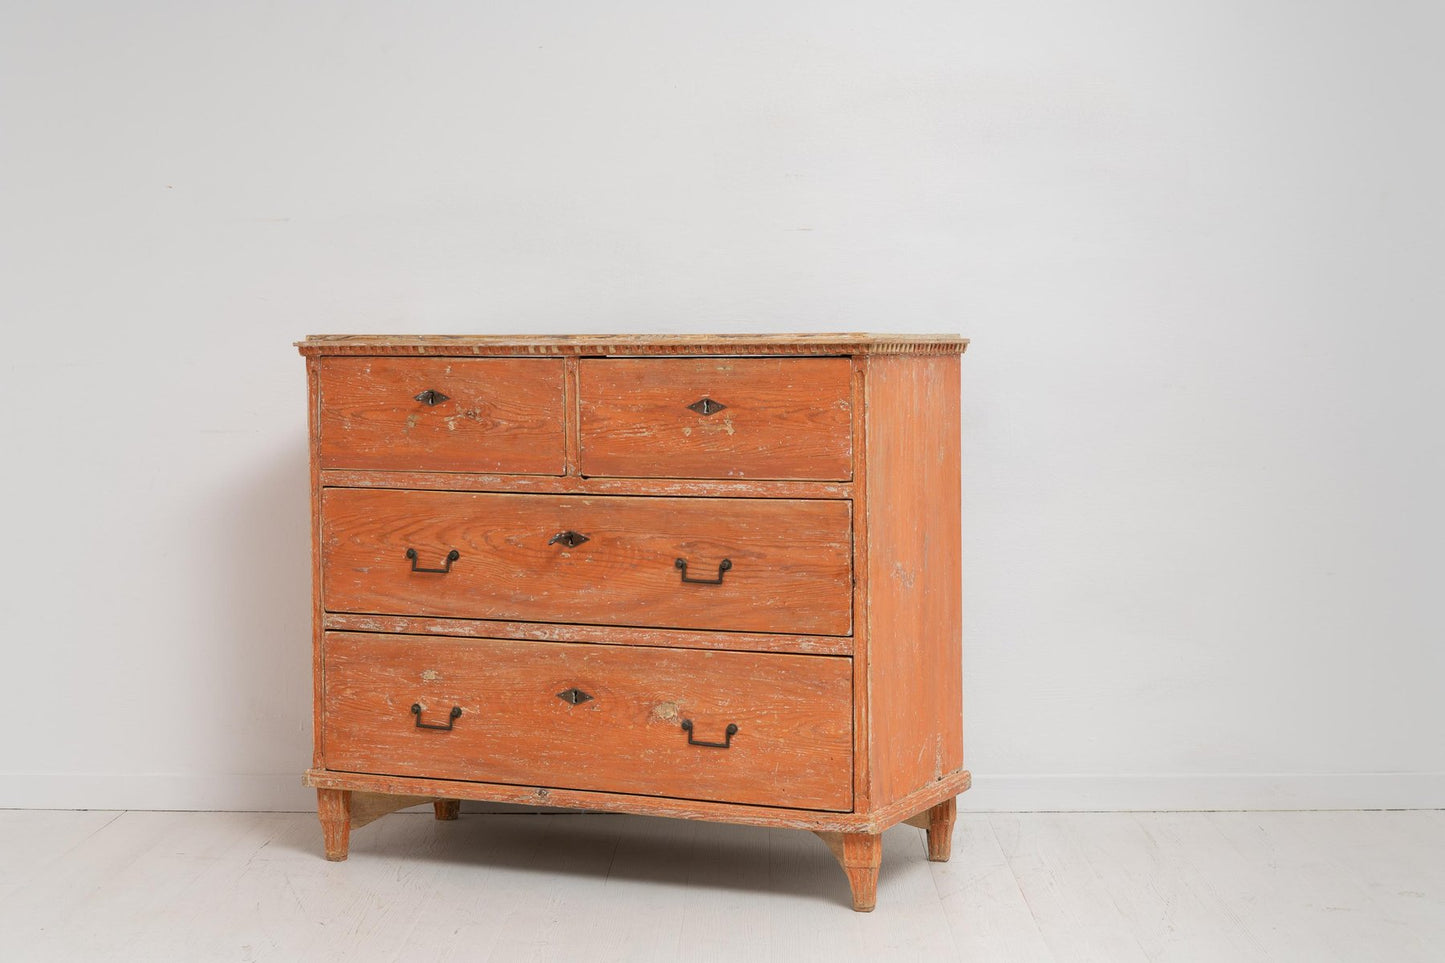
[{"x": 1198, "y": 246}]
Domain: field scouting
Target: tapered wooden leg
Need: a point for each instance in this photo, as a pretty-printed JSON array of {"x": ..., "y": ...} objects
[
  {"x": 860, "y": 855},
  {"x": 447, "y": 808},
  {"x": 334, "y": 808},
  {"x": 938, "y": 821},
  {"x": 940, "y": 830}
]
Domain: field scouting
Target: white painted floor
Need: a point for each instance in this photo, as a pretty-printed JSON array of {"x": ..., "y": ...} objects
[{"x": 1313, "y": 886}]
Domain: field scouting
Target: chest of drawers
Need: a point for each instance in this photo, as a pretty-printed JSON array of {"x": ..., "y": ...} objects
[{"x": 699, "y": 577}]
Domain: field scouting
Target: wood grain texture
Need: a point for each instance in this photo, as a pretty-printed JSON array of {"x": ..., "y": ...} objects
[
  {"x": 848, "y": 701},
  {"x": 929, "y": 794},
  {"x": 594, "y": 634},
  {"x": 860, "y": 855},
  {"x": 862, "y": 755},
  {"x": 500, "y": 415},
  {"x": 577, "y": 485},
  {"x": 914, "y": 674},
  {"x": 631, "y": 345},
  {"x": 792, "y": 744},
  {"x": 368, "y": 807},
  {"x": 313, "y": 428},
  {"x": 781, "y": 817},
  {"x": 333, "y": 808},
  {"x": 937, "y": 821},
  {"x": 782, "y": 418},
  {"x": 790, "y": 560},
  {"x": 940, "y": 830},
  {"x": 569, "y": 400}
]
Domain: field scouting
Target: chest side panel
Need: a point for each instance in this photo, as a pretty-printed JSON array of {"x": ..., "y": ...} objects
[{"x": 914, "y": 674}]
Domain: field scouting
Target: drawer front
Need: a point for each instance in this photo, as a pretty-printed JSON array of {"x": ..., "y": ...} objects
[
  {"x": 617, "y": 725},
  {"x": 474, "y": 415},
  {"x": 772, "y": 418},
  {"x": 748, "y": 565}
]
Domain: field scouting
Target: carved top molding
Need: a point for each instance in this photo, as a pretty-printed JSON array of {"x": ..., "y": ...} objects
[{"x": 630, "y": 345}]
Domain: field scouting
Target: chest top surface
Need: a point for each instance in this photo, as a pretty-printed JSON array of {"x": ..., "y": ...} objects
[{"x": 631, "y": 345}]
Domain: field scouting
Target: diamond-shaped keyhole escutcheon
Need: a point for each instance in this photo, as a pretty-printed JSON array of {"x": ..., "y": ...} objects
[
  {"x": 568, "y": 539},
  {"x": 706, "y": 406},
  {"x": 574, "y": 695}
]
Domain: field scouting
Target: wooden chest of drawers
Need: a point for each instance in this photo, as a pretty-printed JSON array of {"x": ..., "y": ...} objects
[{"x": 700, "y": 577}]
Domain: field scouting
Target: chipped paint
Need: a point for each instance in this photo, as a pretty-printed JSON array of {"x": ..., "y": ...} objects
[
  {"x": 901, "y": 575},
  {"x": 808, "y": 441}
]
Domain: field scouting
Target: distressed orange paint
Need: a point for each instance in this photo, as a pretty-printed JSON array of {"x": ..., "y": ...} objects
[{"x": 823, "y": 468}]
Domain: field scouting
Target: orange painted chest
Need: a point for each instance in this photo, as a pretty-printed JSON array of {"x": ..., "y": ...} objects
[{"x": 700, "y": 577}]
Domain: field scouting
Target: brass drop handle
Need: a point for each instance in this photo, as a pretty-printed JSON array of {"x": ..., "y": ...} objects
[
  {"x": 723, "y": 566},
  {"x": 568, "y": 539},
  {"x": 431, "y": 397},
  {"x": 452, "y": 717},
  {"x": 727, "y": 742},
  {"x": 452, "y": 556}
]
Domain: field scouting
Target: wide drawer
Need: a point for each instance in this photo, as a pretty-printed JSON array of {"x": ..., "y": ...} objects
[
  {"x": 770, "y": 418},
  {"x": 741, "y": 727},
  {"x": 442, "y": 414},
  {"x": 748, "y": 565}
]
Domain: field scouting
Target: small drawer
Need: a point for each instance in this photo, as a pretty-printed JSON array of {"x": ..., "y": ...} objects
[
  {"x": 740, "y": 564},
  {"x": 763, "y": 418},
  {"x": 742, "y": 727},
  {"x": 500, "y": 415}
]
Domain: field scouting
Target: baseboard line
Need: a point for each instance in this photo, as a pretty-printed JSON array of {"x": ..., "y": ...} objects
[
  {"x": 1067, "y": 792},
  {"x": 1141, "y": 792}
]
